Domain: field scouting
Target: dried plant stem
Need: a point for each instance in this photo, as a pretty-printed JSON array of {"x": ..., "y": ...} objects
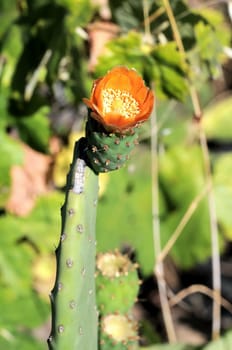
[
  {"x": 188, "y": 214},
  {"x": 149, "y": 19},
  {"x": 174, "y": 27},
  {"x": 31, "y": 85},
  {"x": 216, "y": 322},
  {"x": 147, "y": 28},
  {"x": 198, "y": 288},
  {"x": 158, "y": 268},
  {"x": 216, "y": 267}
]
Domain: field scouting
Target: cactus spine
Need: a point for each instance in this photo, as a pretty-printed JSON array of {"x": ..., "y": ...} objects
[{"x": 74, "y": 312}]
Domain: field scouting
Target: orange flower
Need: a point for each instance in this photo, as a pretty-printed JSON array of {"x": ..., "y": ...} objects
[{"x": 120, "y": 100}]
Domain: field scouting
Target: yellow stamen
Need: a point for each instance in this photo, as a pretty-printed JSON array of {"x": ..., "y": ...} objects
[{"x": 119, "y": 102}]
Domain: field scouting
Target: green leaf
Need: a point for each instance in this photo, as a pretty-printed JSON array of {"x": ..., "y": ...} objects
[
  {"x": 223, "y": 192},
  {"x": 161, "y": 64},
  {"x": 217, "y": 121},
  {"x": 10, "y": 46},
  {"x": 23, "y": 72},
  {"x": 169, "y": 347},
  {"x": 208, "y": 48},
  {"x": 15, "y": 266},
  {"x": 168, "y": 71},
  {"x": 219, "y": 27},
  {"x": 3, "y": 109},
  {"x": 128, "y": 198},
  {"x": 128, "y": 14},
  {"x": 80, "y": 14},
  {"x": 21, "y": 238},
  {"x": 182, "y": 180},
  {"x": 224, "y": 343},
  {"x": 174, "y": 126},
  {"x": 11, "y": 154},
  {"x": 211, "y": 36},
  {"x": 41, "y": 25},
  {"x": 8, "y": 13},
  {"x": 16, "y": 255},
  {"x": 24, "y": 309},
  {"x": 125, "y": 50},
  {"x": 42, "y": 226},
  {"x": 12, "y": 340},
  {"x": 35, "y": 130}
]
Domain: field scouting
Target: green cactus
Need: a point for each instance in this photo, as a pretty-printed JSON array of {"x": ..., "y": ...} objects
[
  {"x": 73, "y": 300},
  {"x": 117, "y": 283},
  {"x": 74, "y": 311},
  {"x": 75, "y": 316}
]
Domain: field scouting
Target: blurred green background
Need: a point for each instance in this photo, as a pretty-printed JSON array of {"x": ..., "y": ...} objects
[{"x": 50, "y": 53}]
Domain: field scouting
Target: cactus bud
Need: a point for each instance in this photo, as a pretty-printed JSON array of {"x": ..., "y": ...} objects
[
  {"x": 107, "y": 151},
  {"x": 118, "y": 104}
]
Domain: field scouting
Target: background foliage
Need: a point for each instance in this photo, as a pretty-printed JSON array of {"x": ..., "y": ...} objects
[{"x": 47, "y": 50}]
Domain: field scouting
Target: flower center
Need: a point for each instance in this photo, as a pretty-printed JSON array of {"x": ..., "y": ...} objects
[{"x": 119, "y": 102}]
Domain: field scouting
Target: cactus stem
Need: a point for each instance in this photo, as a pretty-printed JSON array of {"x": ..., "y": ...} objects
[{"x": 73, "y": 296}]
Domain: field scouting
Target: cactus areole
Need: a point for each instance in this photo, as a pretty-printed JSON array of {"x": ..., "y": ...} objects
[{"x": 118, "y": 104}]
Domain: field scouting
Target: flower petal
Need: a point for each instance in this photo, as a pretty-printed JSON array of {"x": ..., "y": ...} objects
[
  {"x": 147, "y": 107},
  {"x": 120, "y": 99},
  {"x": 119, "y": 82}
]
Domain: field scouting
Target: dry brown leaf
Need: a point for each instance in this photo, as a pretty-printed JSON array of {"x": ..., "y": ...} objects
[
  {"x": 99, "y": 34},
  {"x": 28, "y": 181},
  {"x": 55, "y": 145}
]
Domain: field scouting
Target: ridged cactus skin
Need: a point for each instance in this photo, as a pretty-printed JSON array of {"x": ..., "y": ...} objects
[
  {"x": 117, "y": 283},
  {"x": 108, "y": 151},
  {"x": 74, "y": 311}
]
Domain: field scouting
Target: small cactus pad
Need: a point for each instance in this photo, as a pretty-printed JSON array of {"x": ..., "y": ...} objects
[
  {"x": 118, "y": 332},
  {"x": 117, "y": 283},
  {"x": 107, "y": 151}
]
